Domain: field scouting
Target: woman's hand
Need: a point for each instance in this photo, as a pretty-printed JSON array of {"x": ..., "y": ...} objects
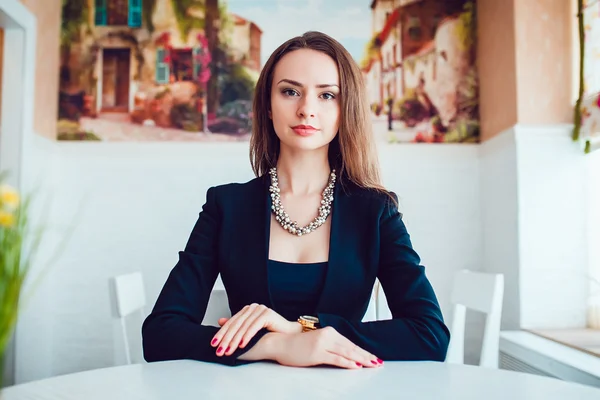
[
  {"x": 321, "y": 346},
  {"x": 239, "y": 329}
]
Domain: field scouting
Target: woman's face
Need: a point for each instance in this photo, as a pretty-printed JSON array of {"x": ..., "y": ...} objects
[{"x": 305, "y": 106}]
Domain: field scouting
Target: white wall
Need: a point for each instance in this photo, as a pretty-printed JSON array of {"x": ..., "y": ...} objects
[
  {"x": 535, "y": 214},
  {"x": 138, "y": 203},
  {"x": 553, "y": 216},
  {"x": 593, "y": 195},
  {"x": 500, "y": 212}
]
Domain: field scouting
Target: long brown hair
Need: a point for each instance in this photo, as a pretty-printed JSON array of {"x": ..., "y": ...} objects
[{"x": 352, "y": 152}]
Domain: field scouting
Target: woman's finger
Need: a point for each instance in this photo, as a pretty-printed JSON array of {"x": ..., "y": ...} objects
[
  {"x": 348, "y": 344},
  {"x": 252, "y": 330},
  {"x": 339, "y": 361},
  {"x": 355, "y": 353},
  {"x": 216, "y": 340},
  {"x": 334, "y": 342},
  {"x": 234, "y": 327},
  {"x": 251, "y": 325}
]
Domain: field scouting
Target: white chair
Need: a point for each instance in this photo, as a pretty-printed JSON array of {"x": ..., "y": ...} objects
[
  {"x": 127, "y": 297},
  {"x": 482, "y": 292},
  {"x": 382, "y": 309},
  {"x": 218, "y": 307},
  {"x": 371, "y": 313}
]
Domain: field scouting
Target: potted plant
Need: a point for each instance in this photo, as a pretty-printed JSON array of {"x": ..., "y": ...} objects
[{"x": 15, "y": 236}]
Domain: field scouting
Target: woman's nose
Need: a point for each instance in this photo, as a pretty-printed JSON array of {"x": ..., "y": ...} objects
[{"x": 306, "y": 109}]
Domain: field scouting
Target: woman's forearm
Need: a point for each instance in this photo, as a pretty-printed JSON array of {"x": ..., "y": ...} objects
[{"x": 264, "y": 349}]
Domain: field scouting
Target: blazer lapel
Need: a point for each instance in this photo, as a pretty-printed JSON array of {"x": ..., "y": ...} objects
[
  {"x": 266, "y": 240},
  {"x": 251, "y": 257},
  {"x": 331, "y": 294}
]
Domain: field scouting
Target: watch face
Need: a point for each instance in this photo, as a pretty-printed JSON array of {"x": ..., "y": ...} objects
[{"x": 311, "y": 318}]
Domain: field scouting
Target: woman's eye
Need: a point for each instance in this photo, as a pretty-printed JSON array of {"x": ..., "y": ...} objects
[
  {"x": 328, "y": 96},
  {"x": 289, "y": 92}
]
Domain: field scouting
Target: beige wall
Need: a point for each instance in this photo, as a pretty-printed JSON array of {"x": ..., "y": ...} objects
[
  {"x": 544, "y": 67},
  {"x": 240, "y": 40},
  {"x": 47, "y": 13},
  {"x": 496, "y": 62},
  {"x": 525, "y": 63}
]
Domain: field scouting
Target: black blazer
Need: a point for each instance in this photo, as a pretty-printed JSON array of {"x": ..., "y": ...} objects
[{"x": 368, "y": 240}]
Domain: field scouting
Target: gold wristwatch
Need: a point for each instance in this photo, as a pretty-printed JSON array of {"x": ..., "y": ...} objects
[{"x": 309, "y": 323}]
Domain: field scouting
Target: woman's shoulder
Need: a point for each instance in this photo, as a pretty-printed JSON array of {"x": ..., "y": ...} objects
[
  {"x": 382, "y": 201},
  {"x": 235, "y": 191},
  {"x": 240, "y": 187},
  {"x": 381, "y": 197}
]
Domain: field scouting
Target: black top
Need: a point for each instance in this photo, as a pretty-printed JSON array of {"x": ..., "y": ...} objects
[
  {"x": 368, "y": 240},
  {"x": 295, "y": 288}
]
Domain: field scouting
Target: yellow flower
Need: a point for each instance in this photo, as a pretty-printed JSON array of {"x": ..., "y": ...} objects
[
  {"x": 9, "y": 197},
  {"x": 6, "y": 219}
]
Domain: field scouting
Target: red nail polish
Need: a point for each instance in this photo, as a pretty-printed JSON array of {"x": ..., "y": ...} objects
[
  {"x": 374, "y": 362},
  {"x": 215, "y": 340},
  {"x": 228, "y": 348},
  {"x": 380, "y": 361},
  {"x": 220, "y": 349},
  {"x": 358, "y": 364}
]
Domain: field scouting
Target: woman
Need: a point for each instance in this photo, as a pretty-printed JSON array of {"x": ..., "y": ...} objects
[{"x": 300, "y": 246}]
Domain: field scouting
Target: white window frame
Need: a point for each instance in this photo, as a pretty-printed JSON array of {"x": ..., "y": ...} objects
[{"x": 16, "y": 125}]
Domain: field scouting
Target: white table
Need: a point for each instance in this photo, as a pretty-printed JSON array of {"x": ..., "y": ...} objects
[{"x": 396, "y": 380}]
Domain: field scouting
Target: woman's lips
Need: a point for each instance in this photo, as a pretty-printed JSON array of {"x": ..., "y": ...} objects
[{"x": 304, "y": 130}]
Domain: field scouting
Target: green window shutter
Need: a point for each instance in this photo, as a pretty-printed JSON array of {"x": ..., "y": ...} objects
[
  {"x": 100, "y": 14},
  {"x": 135, "y": 13},
  {"x": 196, "y": 65},
  {"x": 162, "y": 67}
]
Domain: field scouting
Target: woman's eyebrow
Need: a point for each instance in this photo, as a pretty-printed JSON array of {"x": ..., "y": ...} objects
[{"x": 298, "y": 84}]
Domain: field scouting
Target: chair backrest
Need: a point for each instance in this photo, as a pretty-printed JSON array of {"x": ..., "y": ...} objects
[
  {"x": 382, "y": 309},
  {"x": 218, "y": 307},
  {"x": 127, "y": 296},
  {"x": 483, "y": 292},
  {"x": 371, "y": 313}
]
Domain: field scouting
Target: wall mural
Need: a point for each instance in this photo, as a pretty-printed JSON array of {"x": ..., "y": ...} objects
[{"x": 185, "y": 70}]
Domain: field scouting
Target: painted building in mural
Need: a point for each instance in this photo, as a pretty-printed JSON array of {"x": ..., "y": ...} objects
[
  {"x": 151, "y": 61},
  {"x": 420, "y": 65},
  {"x": 245, "y": 44},
  {"x": 121, "y": 55}
]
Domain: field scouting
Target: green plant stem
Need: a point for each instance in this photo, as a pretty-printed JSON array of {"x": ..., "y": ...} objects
[{"x": 577, "y": 117}]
